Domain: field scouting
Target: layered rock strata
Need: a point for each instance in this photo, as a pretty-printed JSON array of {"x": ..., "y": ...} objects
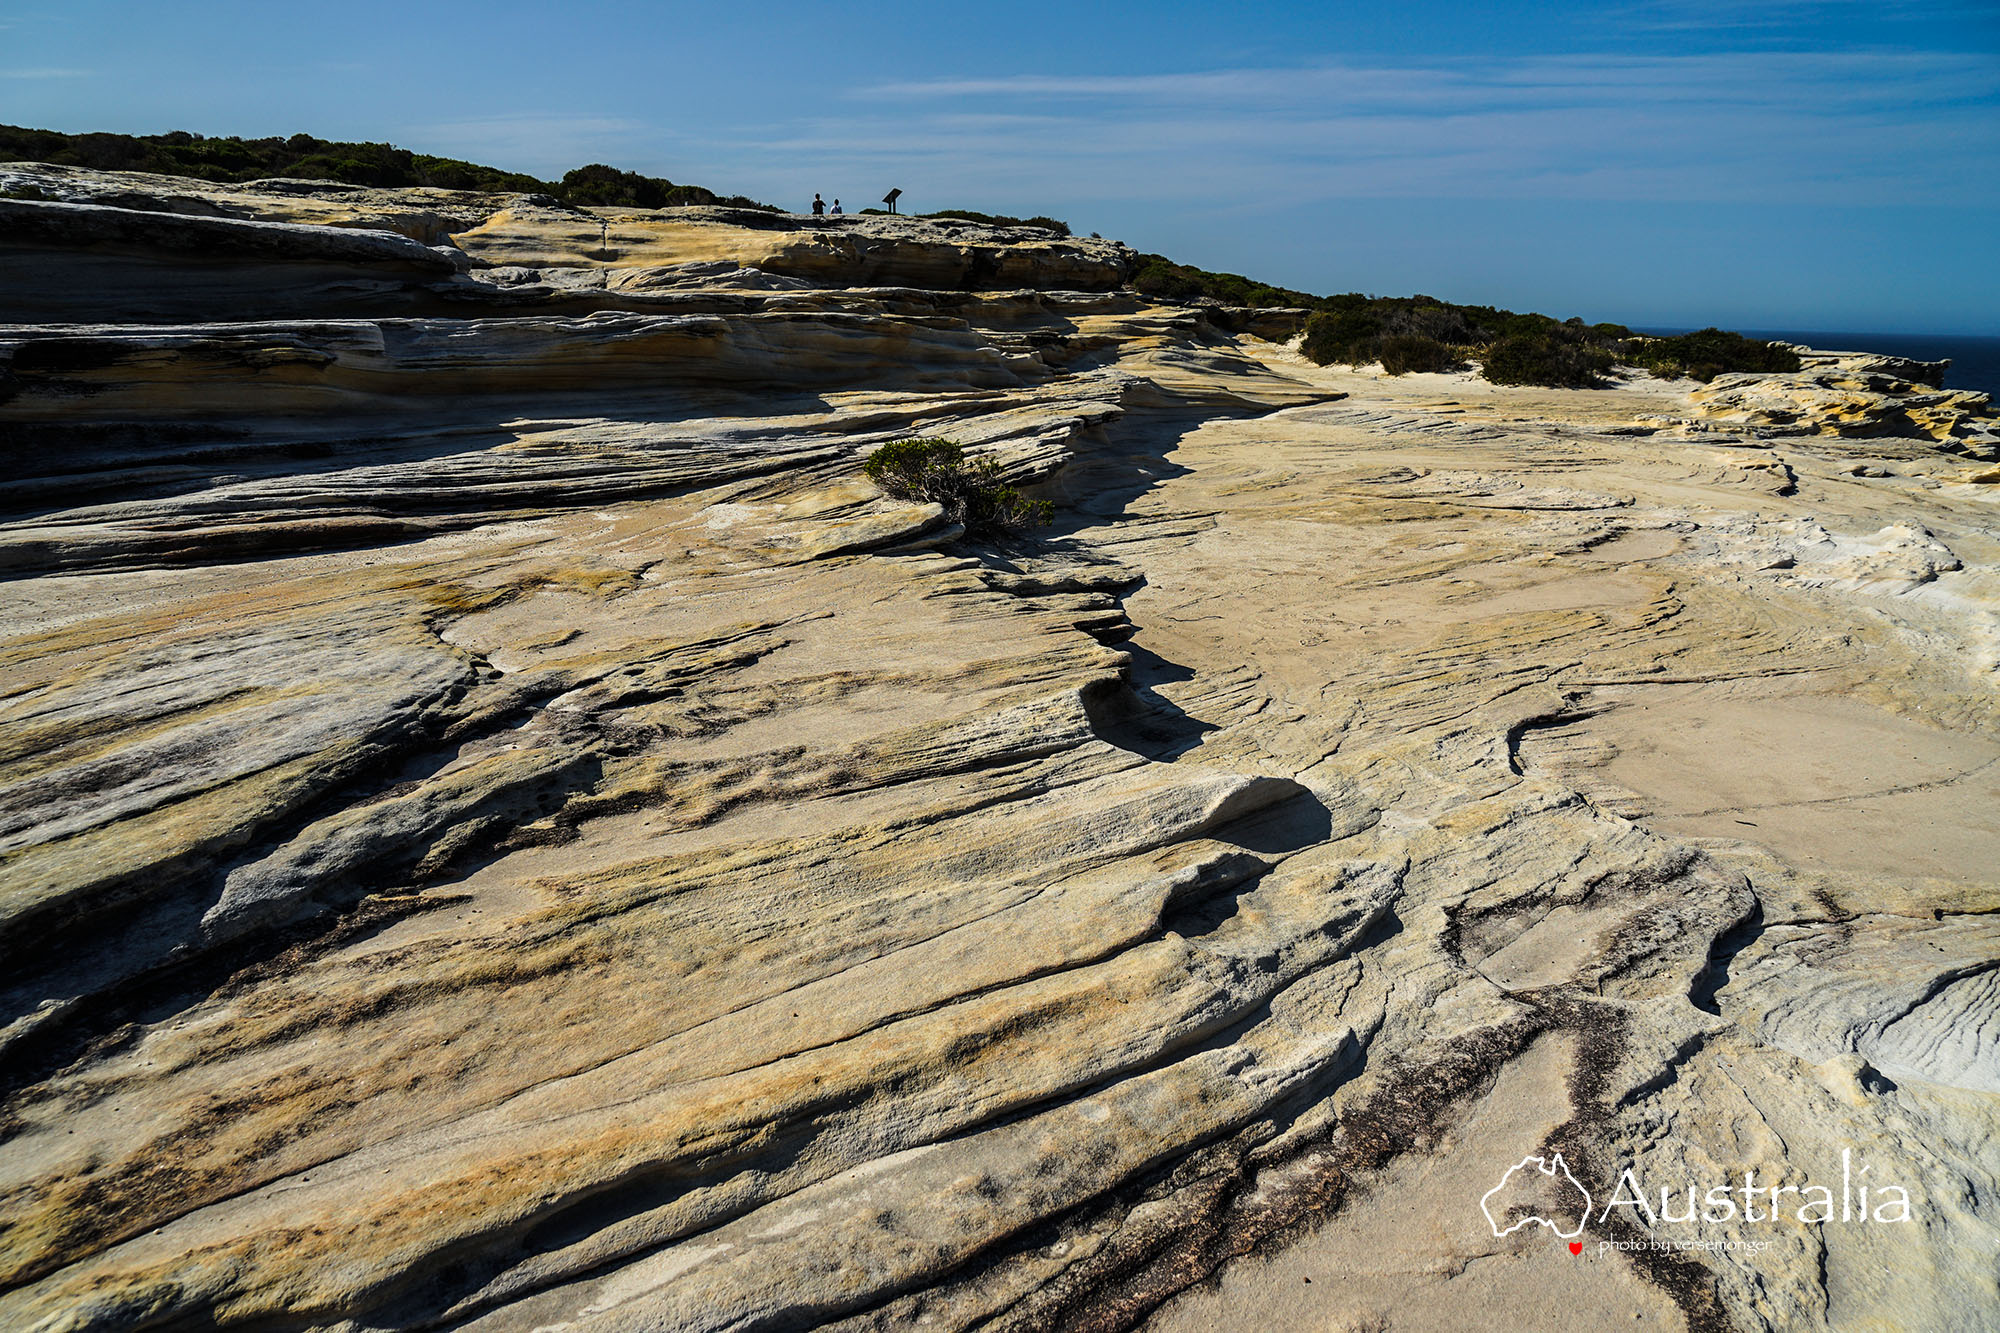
[
  {"x": 91, "y": 246},
  {"x": 1856, "y": 397},
  {"x": 504, "y": 828}
]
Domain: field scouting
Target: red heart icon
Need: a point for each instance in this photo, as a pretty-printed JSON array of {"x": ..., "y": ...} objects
[{"x": 1576, "y": 1247}]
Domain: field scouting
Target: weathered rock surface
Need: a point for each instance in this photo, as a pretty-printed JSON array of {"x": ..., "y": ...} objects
[
  {"x": 1856, "y": 397},
  {"x": 851, "y": 250},
  {"x": 503, "y": 828},
  {"x": 1902, "y": 367},
  {"x": 89, "y": 246},
  {"x": 427, "y": 216}
]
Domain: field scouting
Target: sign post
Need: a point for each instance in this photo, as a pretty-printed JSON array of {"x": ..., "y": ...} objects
[{"x": 891, "y": 198}]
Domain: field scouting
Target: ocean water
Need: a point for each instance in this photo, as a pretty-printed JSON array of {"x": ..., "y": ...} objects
[{"x": 1975, "y": 362}]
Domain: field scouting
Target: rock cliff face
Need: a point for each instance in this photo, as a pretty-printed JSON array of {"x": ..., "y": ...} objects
[
  {"x": 90, "y": 246},
  {"x": 504, "y": 828}
]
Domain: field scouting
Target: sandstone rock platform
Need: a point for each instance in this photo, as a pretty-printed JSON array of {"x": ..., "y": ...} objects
[{"x": 504, "y": 828}]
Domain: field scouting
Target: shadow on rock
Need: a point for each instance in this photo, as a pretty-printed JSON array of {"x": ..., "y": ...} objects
[{"x": 1136, "y": 717}]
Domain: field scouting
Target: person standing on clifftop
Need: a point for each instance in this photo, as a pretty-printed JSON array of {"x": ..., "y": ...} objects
[
  {"x": 819, "y": 206},
  {"x": 836, "y": 205}
]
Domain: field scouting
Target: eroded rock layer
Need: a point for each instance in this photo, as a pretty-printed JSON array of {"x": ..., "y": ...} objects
[
  {"x": 1857, "y": 397},
  {"x": 504, "y": 828}
]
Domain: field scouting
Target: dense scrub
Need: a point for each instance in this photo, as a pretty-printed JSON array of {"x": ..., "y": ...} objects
[
  {"x": 604, "y": 186},
  {"x": 1403, "y": 353},
  {"x": 971, "y": 493},
  {"x": 1417, "y": 333},
  {"x": 302, "y": 157},
  {"x": 1055, "y": 225},
  {"x": 1707, "y": 353},
  {"x": 1423, "y": 333},
  {"x": 1549, "y": 357},
  {"x": 1156, "y": 275}
]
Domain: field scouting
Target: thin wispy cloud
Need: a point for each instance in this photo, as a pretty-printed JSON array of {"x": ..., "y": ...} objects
[
  {"x": 48, "y": 72},
  {"x": 1787, "y": 18},
  {"x": 1723, "y": 127},
  {"x": 1743, "y": 78}
]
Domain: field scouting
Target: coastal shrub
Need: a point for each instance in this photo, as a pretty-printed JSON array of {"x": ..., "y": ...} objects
[
  {"x": 972, "y": 493},
  {"x": 598, "y": 185},
  {"x": 1517, "y": 348},
  {"x": 1705, "y": 354},
  {"x": 1435, "y": 320},
  {"x": 350, "y": 170},
  {"x": 1354, "y": 330},
  {"x": 1403, "y": 353},
  {"x": 607, "y": 187},
  {"x": 304, "y": 157},
  {"x": 1551, "y": 357},
  {"x": 1156, "y": 275},
  {"x": 227, "y": 159},
  {"x": 1346, "y": 332},
  {"x": 998, "y": 219}
]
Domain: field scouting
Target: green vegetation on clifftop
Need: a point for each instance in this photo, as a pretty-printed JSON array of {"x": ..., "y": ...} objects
[
  {"x": 1423, "y": 333},
  {"x": 1705, "y": 354},
  {"x": 1418, "y": 333},
  {"x": 608, "y": 187},
  {"x": 999, "y": 220},
  {"x": 1156, "y": 275},
  {"x": 302, "y": 157}
]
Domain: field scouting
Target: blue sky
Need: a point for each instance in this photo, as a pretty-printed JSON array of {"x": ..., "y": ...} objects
[{"x": 1810, "y": 164}]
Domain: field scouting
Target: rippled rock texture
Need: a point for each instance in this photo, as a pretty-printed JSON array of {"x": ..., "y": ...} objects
[{"x": 504, "y": 828}]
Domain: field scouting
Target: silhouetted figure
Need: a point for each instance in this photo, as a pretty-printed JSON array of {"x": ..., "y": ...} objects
[
  {"x": 819, "y": 206},
  {"x": 836, "y": 205}
]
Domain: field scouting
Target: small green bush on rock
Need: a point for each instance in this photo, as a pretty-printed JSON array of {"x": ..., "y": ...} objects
[{"x": 935, "y": 470}]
